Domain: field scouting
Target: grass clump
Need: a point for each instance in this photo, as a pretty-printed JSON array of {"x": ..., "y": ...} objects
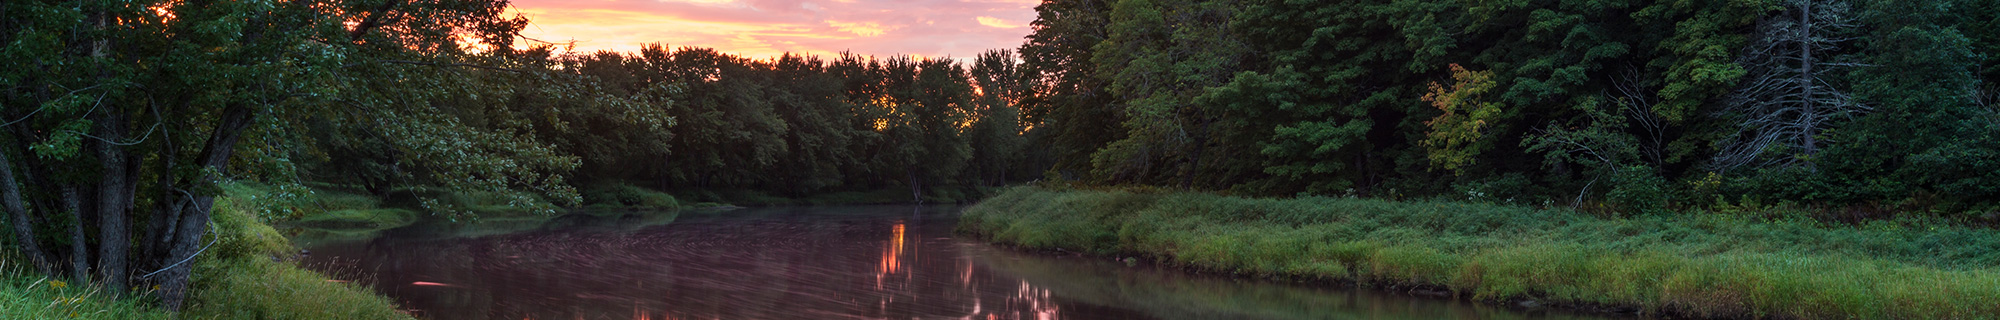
[
  {"x": 626, "y": 196},
  {"x": 328, "y": 207},
  {"x": 245, "y": 273},
  {"x": 254, "y": 288},
  {"x": 1701, "y": 264},
  {"x": 359, "y": 219},
  {"x": 27, "y": 296},
  {"x": 248, "y": 275}
]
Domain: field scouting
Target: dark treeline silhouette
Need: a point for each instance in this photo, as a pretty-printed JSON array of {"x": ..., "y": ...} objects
[
  {"x": 800, "y": 125},
  {"x": 694, "y": 120}
]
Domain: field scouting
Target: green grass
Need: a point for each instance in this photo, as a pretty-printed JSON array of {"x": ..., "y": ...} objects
[
  {"x": 247, "y": 277},
  {"x": 359, "y": 219},
  {"x": 1701, "y": 264},
  {"x": 331, "y": 207},
  {"x": 26, "y": 296},
  {"x": 325, "y": 206},
  {"x": 245, "y": 274}
]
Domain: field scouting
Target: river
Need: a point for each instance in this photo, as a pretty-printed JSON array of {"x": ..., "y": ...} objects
[{"x": 864, "y": 262}]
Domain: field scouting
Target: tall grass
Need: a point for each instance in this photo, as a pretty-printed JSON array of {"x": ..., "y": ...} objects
[
  {"x": 25, "y": 295},
  {"x": 250, "y": 276},
  {"x": 246, "y": 273},
  {"x": 1700, "y": 264}
]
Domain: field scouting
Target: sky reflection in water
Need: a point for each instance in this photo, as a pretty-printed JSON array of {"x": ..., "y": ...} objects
[{"x": 882, "y": 262}]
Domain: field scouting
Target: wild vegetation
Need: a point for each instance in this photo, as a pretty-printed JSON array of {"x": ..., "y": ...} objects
[
  {"x": 127, "y": 119},
  {"x": 124, "y": 121},
  {"x": 1787, "y": 158},
  {"x": 1861, "y": 109},
  {"x": 1748, "y": 263},
  {"x": 248, "y": 271}
]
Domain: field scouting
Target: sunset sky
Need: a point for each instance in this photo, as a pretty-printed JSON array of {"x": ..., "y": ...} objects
[{"x": 767, "y": 28}]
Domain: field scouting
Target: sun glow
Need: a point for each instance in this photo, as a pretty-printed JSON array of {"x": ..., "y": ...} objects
[
  {"x": 997, "y": 23},
  {"x": 770, "y": 28}
]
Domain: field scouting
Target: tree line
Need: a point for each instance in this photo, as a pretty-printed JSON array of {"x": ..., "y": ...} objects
[
  {"x": 1634, "y": 106},
  {"x": 800, "y": 125},
  {"x": 125, "y": 118}
]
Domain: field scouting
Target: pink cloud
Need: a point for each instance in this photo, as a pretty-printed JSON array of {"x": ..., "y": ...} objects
[{"x": 767, "y": 28}]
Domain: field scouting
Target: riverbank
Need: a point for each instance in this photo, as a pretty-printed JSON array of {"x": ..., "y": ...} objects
[
  {"x": 332, "y": 207},
  {"x": 885, "y": 196},
  {"x": 252, "y": 271},
  {"x": 1694, "y": 264},
  {"x": 249, "y": 272}
]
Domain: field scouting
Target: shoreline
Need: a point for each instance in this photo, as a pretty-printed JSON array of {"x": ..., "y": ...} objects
[
  {"x": 1748, "y": 269},
  {"x": 1418, "y": 290}
]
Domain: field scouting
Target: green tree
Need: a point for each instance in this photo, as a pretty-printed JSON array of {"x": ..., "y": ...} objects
[
  {"x": 1159, "y": 56},
  {"x": 1457, "y": 136},
  {"x": 1071, "y": 101},
  {"x": 132, "y": 112},
  {"x": 999, "y": 149}
]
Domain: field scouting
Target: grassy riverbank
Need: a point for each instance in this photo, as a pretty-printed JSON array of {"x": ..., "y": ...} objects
[
  {"x": 347, "y": 209},
  {"x": 1700, "y": 264},
  {"x": 247, "y": 273}
]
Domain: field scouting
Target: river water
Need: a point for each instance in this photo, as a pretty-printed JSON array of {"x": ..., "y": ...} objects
[{"x": 870, "y": 262}]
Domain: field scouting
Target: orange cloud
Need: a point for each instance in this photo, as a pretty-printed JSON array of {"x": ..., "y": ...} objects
[
  {"x": 768, "y": 28},
  {"x": 997, "y": 23},
  {"x": 865, "y": 29}
]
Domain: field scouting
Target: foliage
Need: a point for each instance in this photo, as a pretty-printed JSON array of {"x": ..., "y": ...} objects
[
  {"x": 794, "y": 126},
  {"x": 1455, "y": 136},
  {"x": 1285, "y": 98},
  {"x": 246, "y": 273},
  {"x": 1697, "y": 264}
]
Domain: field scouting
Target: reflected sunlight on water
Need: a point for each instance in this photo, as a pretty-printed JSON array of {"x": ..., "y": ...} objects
[{"x": 891, "y": 252}]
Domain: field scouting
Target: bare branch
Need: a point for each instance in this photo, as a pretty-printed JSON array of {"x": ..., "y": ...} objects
[{"x": 1784, "y": 102}]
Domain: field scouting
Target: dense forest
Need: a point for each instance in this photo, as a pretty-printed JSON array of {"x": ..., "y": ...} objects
[
  {"x": 1635, "y": 106},
  {"x": 123, "y": 117},
  {"x": 126, "y": 119},
  {"x": 697, "y": 119}
]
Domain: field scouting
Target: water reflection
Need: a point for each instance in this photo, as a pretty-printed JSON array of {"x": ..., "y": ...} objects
[
  {"x": 891, "y": 252},
  {"x": 792, "y": 263}
]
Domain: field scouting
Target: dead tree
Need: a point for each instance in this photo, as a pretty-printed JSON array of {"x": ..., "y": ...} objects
[
  {"x": 1637, "y": 102},
  {"x": 1783, "y": 100}
]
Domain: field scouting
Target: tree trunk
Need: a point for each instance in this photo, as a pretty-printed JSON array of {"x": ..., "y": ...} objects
[
  {"x": 24, "y": 229},
  {"x": 31, "y": 174},
  {"x": 166, "y": 211},
  {"x": 113, "y": 201},
  {"x": 1806, "y": 73},
  {"x": 193, "y": 224},
  {"x": 161, "y": 224},
  {"x": 916, "y": 187},
  {"x": 79, "y": 258}
]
